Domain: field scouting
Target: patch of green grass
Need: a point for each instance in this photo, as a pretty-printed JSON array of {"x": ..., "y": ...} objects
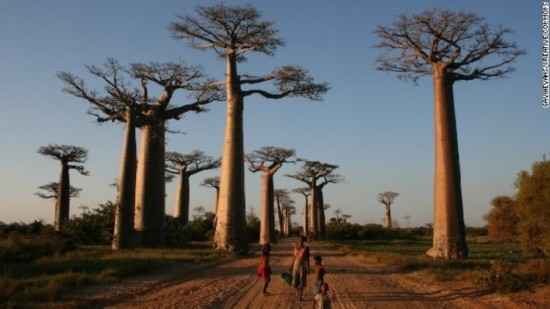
[
  {"x": 496, "y": 266},
  {"x": 44, "y": 279}
]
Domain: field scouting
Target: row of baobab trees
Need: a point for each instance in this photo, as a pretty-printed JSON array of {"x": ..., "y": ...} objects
[
  {"x": 449, "y": 46},
  {"x": 268, "y": 160}
]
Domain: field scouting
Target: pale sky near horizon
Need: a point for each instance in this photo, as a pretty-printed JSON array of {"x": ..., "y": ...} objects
[{"x": 376, "y": 128}]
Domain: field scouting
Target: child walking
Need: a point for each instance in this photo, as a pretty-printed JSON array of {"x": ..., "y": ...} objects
[
  {"x": 264, "y": 270},
  {"x": 324, "y": 299},
  {"x": 319, "y": 274}
]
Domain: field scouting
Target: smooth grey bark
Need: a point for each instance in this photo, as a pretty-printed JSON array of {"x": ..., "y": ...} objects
[
  {"x": 63, "y": 203},
  {"x": 230, "y": 232},
  {"x": 126, "y": 189},
  {"x": 267, "y": 222},
  {"x": 321, "y": 213},
  {"x": 449, "y": 239},
  {"x": 149, "y": 220},
  {"x": 181, "y": 199}
]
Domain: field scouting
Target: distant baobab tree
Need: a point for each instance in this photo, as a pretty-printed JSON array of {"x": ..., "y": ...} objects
[
  {"x": 268, "y": 160},
  {"x": 345, "y": 217},
  {"x": 408, "y": 219},
  {"x": 450, "y": 46},
  {"x": 213, "y": 182},
  {"x": 282, "y": 198},
  {"x": 67, "y": 155},
  {"x": 306, "y": 192},
  {"x": 141, "y": 189},
  {"x": 288, "y": 210},
  {"x": 231, "y": 32},
  {"x": 186, "y": 165},
  {"x": 51, "y": 191},
  {"x": 316, "y": 175},
  {"x": 387, "y": 199},
  {"x": 337, "y": 213}
]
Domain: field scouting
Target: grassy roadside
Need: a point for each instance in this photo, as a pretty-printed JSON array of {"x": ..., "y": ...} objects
[
  {"x": 45, "y": 279},
  {"x": 493, "y": 266}
]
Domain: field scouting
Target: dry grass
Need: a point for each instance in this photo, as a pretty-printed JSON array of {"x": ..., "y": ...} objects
[{"x": 45, "y": 279}]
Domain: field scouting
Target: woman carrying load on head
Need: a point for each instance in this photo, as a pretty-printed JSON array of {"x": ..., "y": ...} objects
[{"x": 300, "y": 267}]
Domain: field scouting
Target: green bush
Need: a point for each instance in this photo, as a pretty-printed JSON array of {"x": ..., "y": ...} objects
[
  {"x": 95, "y": 227},
  {"x": 200, "y": 228}
]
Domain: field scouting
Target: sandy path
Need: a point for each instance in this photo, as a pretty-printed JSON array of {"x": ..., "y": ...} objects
[{"x": 235, "y": 285}]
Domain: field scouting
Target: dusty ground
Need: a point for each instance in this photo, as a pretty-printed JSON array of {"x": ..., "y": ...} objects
[{"x": 235, "y": 285}]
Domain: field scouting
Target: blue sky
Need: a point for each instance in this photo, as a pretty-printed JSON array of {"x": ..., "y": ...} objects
[{"x": 378, "y": 129}]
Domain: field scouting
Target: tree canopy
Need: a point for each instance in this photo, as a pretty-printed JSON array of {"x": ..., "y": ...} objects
[{"x": 469, "y": 47}]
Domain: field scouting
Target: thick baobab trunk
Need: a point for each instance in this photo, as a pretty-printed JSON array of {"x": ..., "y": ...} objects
[
  {"x": 314, "y": 227},
  {"x": 230, "y": 231},
  {"x": 288, "y": 223},
  {"x": 321, "y": 214},
  {"x": 280, "y": 219},
  {"x": 150, "y": 188},
  {"x": 449, "y": 240},
  {"x": 267, "y": 222},
  {"x": 63, "y": 197},
  {"x": 306, "y": 217},
  {"x": 216, "y": 208},
  {"x": 181, "y": 200},
  {"x": 388, "y": 216},
  {"x": 126, "y": 188}
]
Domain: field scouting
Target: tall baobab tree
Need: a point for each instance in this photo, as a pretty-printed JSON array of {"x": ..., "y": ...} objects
[
  {"x": 186, "y": 166},
  {"x": 141, "y": 189},
  {"x": 387, "y": 199},
  {"x": 306, "y": 192},
  {"x": 51, "y": 190},
  {"x": 450, "y": 46},
  {"x": 311, "y": 173},
  {"x": 268, "y": 160},
  {"x": 323, "y": 181},
  {"x": 231, "y": 32},
  {"x": 67, "y": 155}
]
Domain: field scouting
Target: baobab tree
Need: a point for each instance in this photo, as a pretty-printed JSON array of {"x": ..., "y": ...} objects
[
  {"x": 67, "y": 155},
  {"x": 306, "y": 192},
  {"x": 268, "y": 160},
  {"x": 345, "y": 217},
  {"x": 213, "y": 182},
  {"x": 450, "y": 46},
  {"x": 141, "y": 189},
  {"x": 337, "y": 213},
  {"x": 51, "y": 190},
  {"x": 186, "y": 166},
  {"x": 387, "y": 199},
  {"x": 325, "y": 180},
  {"x": 310, "y": 174},
  {"x": 281, "y": 198},
  {"x": 288, "y": 211},
  {"x": 232, "y": 32}
]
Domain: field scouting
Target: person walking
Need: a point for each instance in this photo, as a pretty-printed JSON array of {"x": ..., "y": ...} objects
[{"x": 300, "y": 267}]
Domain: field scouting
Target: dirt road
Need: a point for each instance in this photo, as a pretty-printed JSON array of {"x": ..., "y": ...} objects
[{"x": 235, "y": 285}]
